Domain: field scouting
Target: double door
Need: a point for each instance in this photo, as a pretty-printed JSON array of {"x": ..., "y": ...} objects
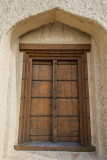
[
  {"x": 54, "y": 98},
  {"x": 54, "y": 101}
]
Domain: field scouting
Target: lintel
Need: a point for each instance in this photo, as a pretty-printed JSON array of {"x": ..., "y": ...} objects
[{"x": 74, "y": 47}]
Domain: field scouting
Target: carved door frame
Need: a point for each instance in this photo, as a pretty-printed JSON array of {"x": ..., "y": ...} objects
[{"x": 49, "y": 52}]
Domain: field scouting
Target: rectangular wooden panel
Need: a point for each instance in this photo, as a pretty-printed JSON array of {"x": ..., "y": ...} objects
[
  {"x": 41, "y": 138},
  {"x": 30, "y": 47},
  {"x": 67, "y": 62},
  {"x": 41, "y": 89},
  {"x": 67, "y": 89},
  {"x": 64, "y": 72},
  {"x": 41, "y": 126},
  {"x": 67, "y": 124},
  {"x": 68, "y": 139},
  {"x": 41, "y": 101},
  {"x": 67, "y": 107},
  {"x": 41, "y": 106},
  {"x": 67, "y": 71},
  {"x": 42, "y": 62},
  {"x": 42, "y": 72},
  {"x": 68, "y": 127}
]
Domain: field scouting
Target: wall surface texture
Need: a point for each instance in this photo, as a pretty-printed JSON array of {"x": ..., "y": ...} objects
[
  {"x": 56, "y": 33},
  {"x": 17, "y": 18}
]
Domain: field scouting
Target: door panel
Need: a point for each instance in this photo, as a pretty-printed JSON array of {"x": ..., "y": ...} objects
[
  {"x": 67, "y": 107},
  {"x": 40, "y": 138},
  {"x": 41, "y": 125},
  {"x": 41, "y": 101},
  {"x": 67, "y": 70},
  {"x": 69, "y": 139},
  {"x": 67, "y": 89},
  {"x": 62, "y": 71},
  {"x": 67, "y": 101},
  {"x": 65, "y": 124},
  {"x": 41, "y": 72},
  {"x": 41, "y": 89},
  {"x": 41, "y": 106},
  {"x": 64, "y": 89}
]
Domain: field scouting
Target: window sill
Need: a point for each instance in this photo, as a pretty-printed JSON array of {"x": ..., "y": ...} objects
[{"x": 51, "y": 146}]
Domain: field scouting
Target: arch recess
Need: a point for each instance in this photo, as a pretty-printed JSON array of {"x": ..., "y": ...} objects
[{"x": 97, "y": 62}]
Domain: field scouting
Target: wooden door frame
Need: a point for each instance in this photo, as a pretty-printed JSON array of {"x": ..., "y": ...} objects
[{"x": 49, "y": 52}]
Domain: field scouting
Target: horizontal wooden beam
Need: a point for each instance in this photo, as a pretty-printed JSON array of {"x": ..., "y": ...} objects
[
  {"x": 34, "y": 47},
  {"x": 78, "y": 148}
]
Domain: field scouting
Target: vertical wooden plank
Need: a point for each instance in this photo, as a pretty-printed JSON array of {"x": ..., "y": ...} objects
[
  {"x": 25, "y": 99},
  {"x": 21, "y": 117},
  {"x": 81, "y": 110},
  {"x": 28, "y": 100},
  {"x": 54, "y": 133},
  {"x": 87, "y": 113},
  {"x": 84, "y": 100}
]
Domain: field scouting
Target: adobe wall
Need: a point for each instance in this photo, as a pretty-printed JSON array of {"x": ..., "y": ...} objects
[
  {"x": 56, "y": 33},
  {"x": 19, "y": 18}
]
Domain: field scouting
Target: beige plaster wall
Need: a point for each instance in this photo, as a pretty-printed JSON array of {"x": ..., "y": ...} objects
[
  {"x": 19, "y": 18},
  {"x": 55, "y": 33}
]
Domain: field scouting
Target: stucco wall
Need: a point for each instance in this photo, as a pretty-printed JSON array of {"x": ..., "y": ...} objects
[
  {"x": 17, "y": 19},
  {"x": 55, "y": 33}
]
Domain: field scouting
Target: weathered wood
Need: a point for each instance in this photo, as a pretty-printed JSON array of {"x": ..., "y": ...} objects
[
  {"x": 68, "y": 117},
  {"x": 41, "y": 106},
  {"x": 65, "y": 146},
  {"x": 64, "y": 109},
  {"x": 41, "y": 101},
  {"x": 28, "y": 98},
  {"x": 22, "y": 103},
  {"x": 41, "y": 89},
  {"x": 86, "y": 104},
  {"x": 81, "y": 110},
  {"x": 30, "y": 47},
  {"x": 54, "y": 132}
]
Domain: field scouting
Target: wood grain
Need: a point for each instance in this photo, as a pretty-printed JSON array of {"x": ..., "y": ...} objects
[
  {"x": 55, "y": 100},
  {"x": 30, "y": 47}
]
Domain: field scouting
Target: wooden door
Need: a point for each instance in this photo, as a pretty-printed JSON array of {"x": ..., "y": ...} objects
[
  {"x": 54, "y": 113},
  {"x": 41, "y": 101},
  {"x": 54, "y": 97},
  {"x": 67, "y": 101}
]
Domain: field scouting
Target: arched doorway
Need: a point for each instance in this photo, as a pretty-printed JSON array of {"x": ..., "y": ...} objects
[{"x": 16, "y": 33}]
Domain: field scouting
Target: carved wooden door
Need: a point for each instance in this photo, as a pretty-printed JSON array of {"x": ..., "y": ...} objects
[
  {"x": 67, "y": 112},
  {"x": 41, "y": 101},
  {"x": 54, "y": 110},
  {"x": 54, "y": 98}
]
